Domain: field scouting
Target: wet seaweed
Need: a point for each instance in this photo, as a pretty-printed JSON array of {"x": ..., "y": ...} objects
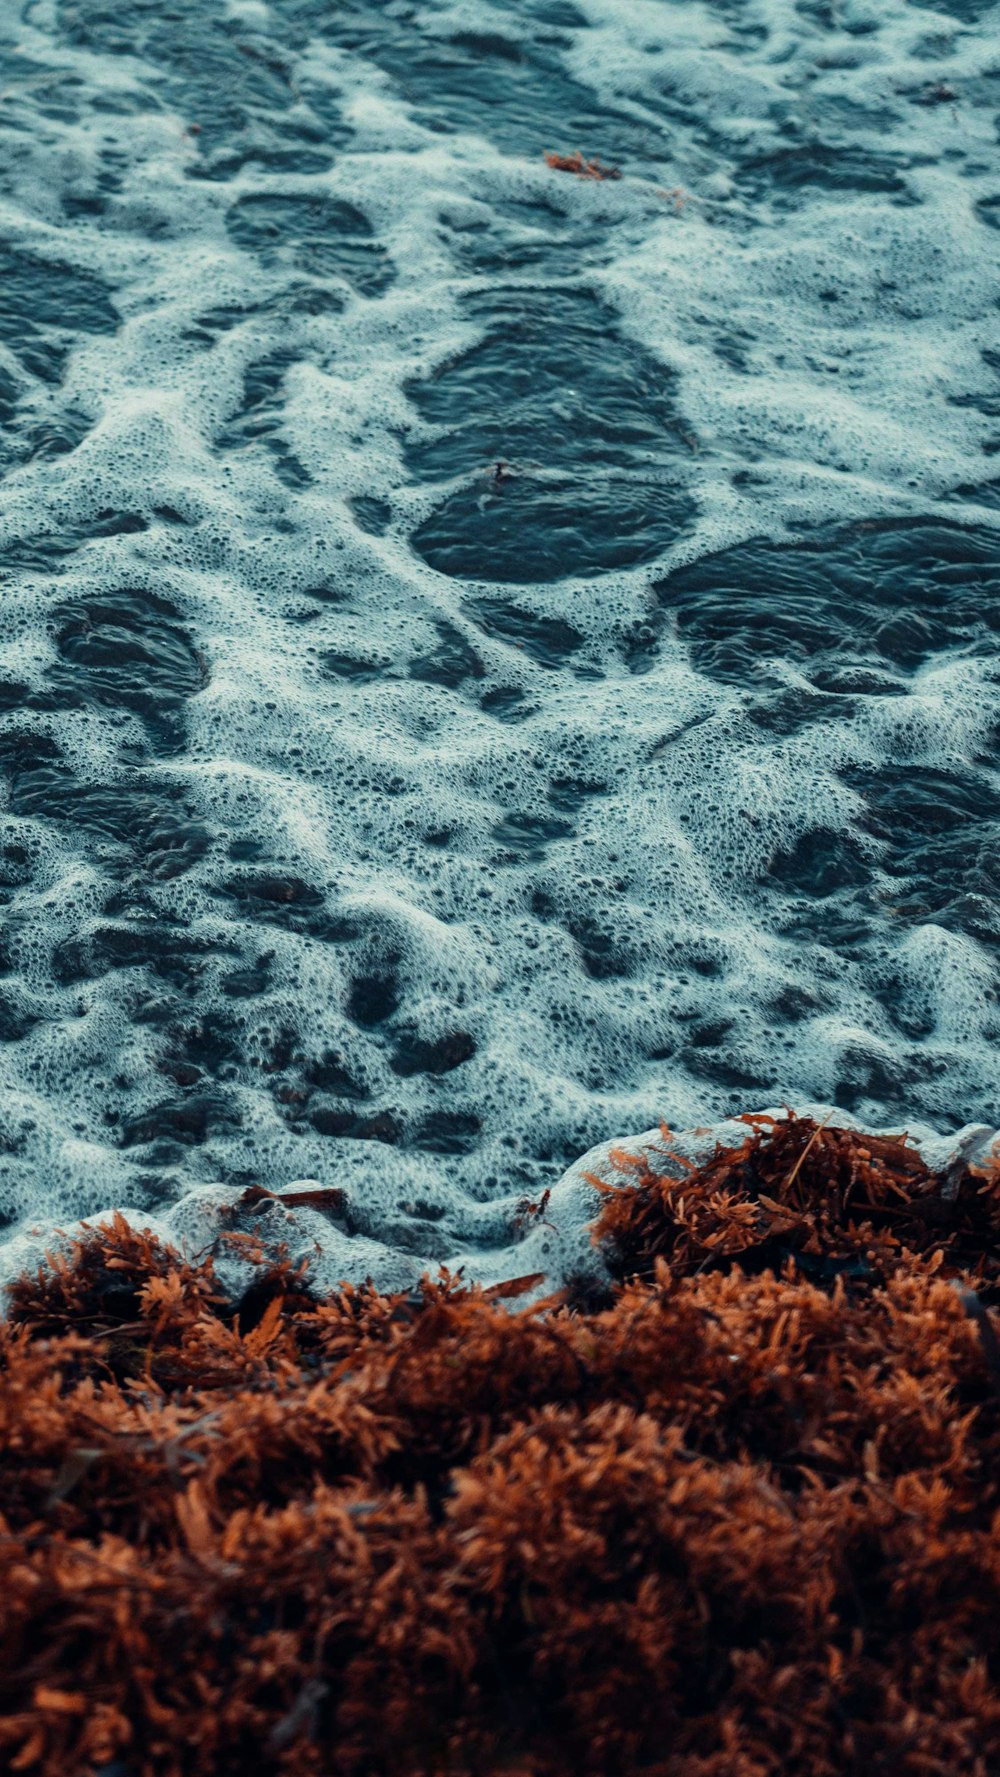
[
  {"x": 740, "y": 1521},
  {"x": 584, "y": 169}
]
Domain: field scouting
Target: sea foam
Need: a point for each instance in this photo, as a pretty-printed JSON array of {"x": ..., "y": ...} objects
[{"x": 488, "y": 658}]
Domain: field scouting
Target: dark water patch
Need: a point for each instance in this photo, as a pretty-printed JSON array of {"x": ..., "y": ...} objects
[
  {"x": 538, "y": 528},
  {"x": 281, "y": 147},
  {"x": 785, "y": 710},
  {"x": 510, "y": 85},
  {"x": 231, "y": 84},
  {"x": 16, "y": 1019},
  {"x": 162, "y": 948},
  {"x": 871, "y": 597},
  {"x": 525, "y": 838},
  {"x": 450, "y": 663},
  {"x": 283, "y": 899},
  {"x": 289, "y": 305},
  {"x": 130, "y": 650},
  {"x": 708, "y": 1034},
  {"x": 732, "y": 348},
  {"x": 316, "y": 234},
  {"x": 359, "y": 669},
  {"x": 507, "y": 703},
  {"x": 270, "y": 1045},
  {"x": 261, "y": 417},
  {"x": 574, "y": 453},
  {"x": 176, "y": 1124},
  {"x": 723, "y": 1065},
  {"x": 821, "y": 863},
  {"x": 640, "y": 643},
  {"x": 969, "y": 11},
  {"x": 568, "y": 794},
  {"x": 373, "y": 999},
  {"x": 857, "y": 681},
  {"x": 9, "y": 397},
  {"x": 249, "y": 983},
  {"x": 447, "y": 1132},
  {"x": 55, "y": 437},
  {"x": 156, "y": 830},
  {"x": 549, "y": 641},
  {"x": 845, "y": 926},
  {"x": 554, "y": 379},
  {"x": 601, "y": 952},
  {"x": 373, "y": 515},
  {"x": 867, "y": 1076},
  {"x": 788, "y": 176},
  {"x": 733, "y": 13},
  {"x": 24, "y": 750},
  {"x": 422, "y": 1211},
  {"x": 331, "y": 1073},
  {"x": 348, "y": 1124},
  {"x": 57, "y": 434},
  {"x": 418, "y": 1055},
  {"x": 796, "y": 1002},
  {"x": 293, "y": 146},
  {"x": 915, "y": 1022},
  {"x": 982, "y": 493},
  {"x": 17, "y": 869},
  {"x": 16, "y": 695},
  {"x": 219, "y": 320},
  {"x": 44, "y": 305},
  {"x": 83, "y": 205},
  {"x": 47, "y": 551},
  {"x": 213, "y": 1043},
  {"x": 520, "y": 96},
  {"x": 246, "y": 848},
  {"x": 325, "y": 594},
  {"x": 607, "y": 949},
  {"x": 939, "y": 833},
  {"x": 15, "y": 65},
  {"x": 828, "y": 16},
  {"x": 487, "y": 46},
  {"x": 531, "y": 234}
]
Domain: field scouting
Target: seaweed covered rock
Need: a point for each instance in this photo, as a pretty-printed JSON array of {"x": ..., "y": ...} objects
[
  {"x": 740, "y": 1519},
  {"x": 838, "y": 1200}
]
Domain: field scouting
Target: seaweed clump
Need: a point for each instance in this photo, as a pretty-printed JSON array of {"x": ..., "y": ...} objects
[{"x": 741, "y": 1519}]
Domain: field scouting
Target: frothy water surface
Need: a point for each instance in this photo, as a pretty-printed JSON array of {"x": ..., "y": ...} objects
[{"x": 490, "y": 659}]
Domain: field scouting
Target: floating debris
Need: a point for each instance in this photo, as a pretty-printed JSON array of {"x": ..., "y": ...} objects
[{"x": 584, "y": 169}]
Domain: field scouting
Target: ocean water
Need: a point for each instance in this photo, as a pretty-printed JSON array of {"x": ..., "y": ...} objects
[{"x": 489, "y": 659}]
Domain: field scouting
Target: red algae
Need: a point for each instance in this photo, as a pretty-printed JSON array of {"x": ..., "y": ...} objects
[
  {"x": 738, "y": 1518},
  {"x": 584, "y": 169}
]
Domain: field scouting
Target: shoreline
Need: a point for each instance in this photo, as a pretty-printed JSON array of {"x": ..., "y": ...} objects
[{"x": 311, "y": 1217}]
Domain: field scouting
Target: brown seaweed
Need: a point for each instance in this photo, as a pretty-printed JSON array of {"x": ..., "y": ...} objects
[
  {"x": 741, "y": 1522},
  {"x": 584, "y": 169}
]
